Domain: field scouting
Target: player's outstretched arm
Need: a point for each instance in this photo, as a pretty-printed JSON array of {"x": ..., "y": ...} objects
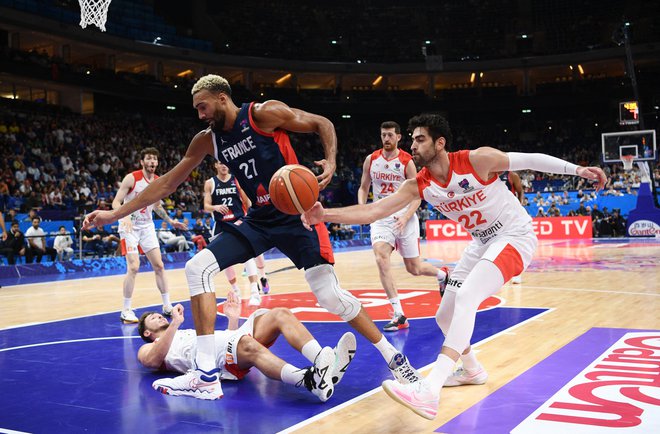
[
  {"x": 363, "y": 214},
  {"x": 159, "y": 188},
  {"x": 273, "y": 114},
  {"x": 488, "y": 161}
]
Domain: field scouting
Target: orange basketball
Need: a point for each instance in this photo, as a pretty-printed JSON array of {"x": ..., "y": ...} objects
[{"x": 293, "y": 189}]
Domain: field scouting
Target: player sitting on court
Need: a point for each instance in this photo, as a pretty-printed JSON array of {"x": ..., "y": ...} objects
[{"x": 240, "y": 348}]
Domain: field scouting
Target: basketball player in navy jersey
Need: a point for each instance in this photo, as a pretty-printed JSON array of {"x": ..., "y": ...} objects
[
  {"x": 227, "y": 202},
  {"x": 514, "y": 185},
  {"x": 252, "y": 141}
]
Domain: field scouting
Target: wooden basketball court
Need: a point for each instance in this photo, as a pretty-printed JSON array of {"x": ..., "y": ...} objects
[{"x": 606, "y": 284}]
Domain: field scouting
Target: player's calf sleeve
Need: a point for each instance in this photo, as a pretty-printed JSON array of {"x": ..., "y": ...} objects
[
  {"x": 446, "y": 309},
  {"x": 251, "y": 267},
  {"x": 200, "y": 271},
  {"x": 325, "y": 286}
]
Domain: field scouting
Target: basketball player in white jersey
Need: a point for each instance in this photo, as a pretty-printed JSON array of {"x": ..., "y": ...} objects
[
  {"x": 138, "y": 233},
  {"x": 465, "y": 187},
  {"x": 514, "y": 185},
  {"x": 227, "y": 203},
  {"x": 240, "y": 348},
  {"x": 385, "y": 170}
]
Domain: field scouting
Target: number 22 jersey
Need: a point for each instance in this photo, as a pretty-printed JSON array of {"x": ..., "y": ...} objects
[{"x": 484, "y": 208}]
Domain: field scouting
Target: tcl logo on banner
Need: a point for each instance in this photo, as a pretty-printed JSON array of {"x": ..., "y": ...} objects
[{"x": 545, "y": 228}]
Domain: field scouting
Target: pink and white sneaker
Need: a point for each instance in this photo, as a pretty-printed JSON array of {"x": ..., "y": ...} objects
[
  {"x": 462, "y": 377},
  {"x": 417, "y": 396},
  {"x": 196, "y": 383}
]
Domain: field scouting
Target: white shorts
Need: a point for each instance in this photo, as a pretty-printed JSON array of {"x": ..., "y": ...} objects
[
  {"x": 512, "y": 254},
  {"x": 141, "y": 239},
  {"x": 406, "y": 242},
  {"x": 227, "y": 351}
]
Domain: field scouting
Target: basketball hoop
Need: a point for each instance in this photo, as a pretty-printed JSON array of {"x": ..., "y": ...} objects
[
  {"x": 94, "y": 12},
  {"x": 627, "y": 161}
]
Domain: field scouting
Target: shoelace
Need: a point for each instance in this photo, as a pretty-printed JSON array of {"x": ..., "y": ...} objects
[
  {"x": 308, "y": 379},
  {"x": 407, "y": 372}
]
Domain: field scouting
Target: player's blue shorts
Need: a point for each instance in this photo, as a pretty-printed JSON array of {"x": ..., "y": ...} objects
[{"x": 239, "y": 243}]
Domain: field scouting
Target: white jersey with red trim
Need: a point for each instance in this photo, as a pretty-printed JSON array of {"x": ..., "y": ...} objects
[
  {"x": 142, "y": 217},
  {"x": 387, "y": 175},
  {"x": 181, "y": 355},
  {"x": 485, "y": 209}
]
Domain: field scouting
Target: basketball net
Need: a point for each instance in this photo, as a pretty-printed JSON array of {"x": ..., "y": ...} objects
[
  {"x": 94, "y": 12},
  {"x": 627, "y": 161}
]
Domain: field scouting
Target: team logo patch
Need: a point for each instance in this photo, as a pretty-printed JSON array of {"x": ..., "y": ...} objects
[
  {"x": 397, "y": 165},
  {"x": 450, "y": 194},
  {"x": 244, "y": 125},
  {"x": 465, "y": 185},
  {"x": 417, "y": 303}
]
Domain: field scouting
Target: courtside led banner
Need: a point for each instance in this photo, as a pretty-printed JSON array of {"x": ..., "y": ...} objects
[{"x": 545, "y": 228}]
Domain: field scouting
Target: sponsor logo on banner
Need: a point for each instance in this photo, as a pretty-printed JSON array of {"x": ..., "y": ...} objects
[
  {"x": 545, "y": 228},
  {"x": 618, "y": 393},
  {"x": 418, "y": 304},
  {"x": 643, "y": 228}
]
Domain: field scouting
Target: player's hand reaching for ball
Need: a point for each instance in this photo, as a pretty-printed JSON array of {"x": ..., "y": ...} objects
[
  {"x": 328, "y": 170},
  {"x": 594, "y": 174},
  {"x": 313, "y": 216},
  {"x": 98, "y": 219}
]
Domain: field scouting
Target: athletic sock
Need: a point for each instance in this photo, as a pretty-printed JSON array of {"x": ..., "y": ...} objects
[
  {"x": 396, "y": 306},
  {"x": 205, "y": 358},
  {"x": 311, "y": 349},
  {"x": 292, "y": 375},
  {"x": 386, "y": 349},
  {"x": 442, "y": 368},
  {"x": 254, "y": 287},
  {"x": 470, "y": 361},
  {"x": 166, "y": 299},
  {"x": 127, "y": 303}
]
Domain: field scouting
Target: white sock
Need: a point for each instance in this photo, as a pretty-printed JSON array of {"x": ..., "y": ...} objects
[
  {"x": 235, "y": 288},
  {"x": 470, "y": 361},
  {"x": 386, "y": 349},
  {"x": 442, "y": 368},
  {"x": 127, "y": 303},
  {"x": 166, "y": 299},
  {"x": 261, "y": 272},
  {"x": 441, "y": 275},
  {"x": 205, "y": 358},
  {"x": 311, "y": 349},
  {"x": 292, "y": 375},
  {"x": 396, "y": 305},
  {"x": 254, "y": 288}
]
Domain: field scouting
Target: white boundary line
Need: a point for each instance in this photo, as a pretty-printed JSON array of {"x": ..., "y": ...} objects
[
  {"x": 43, "y": 344},
  {"x": 11, "y": 431},
  {"x": 328, "y": 412},
  {"x": 606, "y": 291}
]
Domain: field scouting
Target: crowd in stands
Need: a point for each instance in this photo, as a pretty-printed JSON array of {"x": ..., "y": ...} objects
[{"x": 56, "y": 165}]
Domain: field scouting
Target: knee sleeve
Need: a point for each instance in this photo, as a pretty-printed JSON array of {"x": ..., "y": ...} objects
[
  {"x": 323, "y": 282},
  {"x": 200, "y": 271},
  {"x": 251, "y": 267}
]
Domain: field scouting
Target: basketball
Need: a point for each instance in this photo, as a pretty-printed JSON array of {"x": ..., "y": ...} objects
[{"x": 293, "y": 189}]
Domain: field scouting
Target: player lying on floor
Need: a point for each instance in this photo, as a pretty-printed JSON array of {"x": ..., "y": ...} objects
[{"x": 240, "y": 348}]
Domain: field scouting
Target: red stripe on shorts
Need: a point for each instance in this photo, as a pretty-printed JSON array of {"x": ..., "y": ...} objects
[{"x": 509, "y": 262}]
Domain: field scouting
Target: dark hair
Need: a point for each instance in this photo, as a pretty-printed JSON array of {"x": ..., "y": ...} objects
[
  {"x": 142, "y": 327},
  {"x": 391, "y": 124},
  {"x": 61, "y": 227},
  {"x": 149, "y": 151},
  {"x": 436, "y": 125},
  {"x": 36, "y": 218}
]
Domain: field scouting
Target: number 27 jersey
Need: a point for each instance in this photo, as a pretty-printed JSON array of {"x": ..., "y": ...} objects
[{"x": 485, "y": 209}]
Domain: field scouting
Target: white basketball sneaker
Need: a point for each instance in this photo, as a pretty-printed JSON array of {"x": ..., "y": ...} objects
[
  {"x": 255, "y": 299},
  {"x": 238, "y": 295},
  {"x": 196, "y": 383},
  {"x": 462, "y": 377},
  {"x": 128, "y": 317},
  {"x": 403, "y": 370},
  {"x": 344, "y": 353},
  {"x": 516, "y": 279},
  {"x": 417, "y": 396},
  {"x": 318, "y": 379}
]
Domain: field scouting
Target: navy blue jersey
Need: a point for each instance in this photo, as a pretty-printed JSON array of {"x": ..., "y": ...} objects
[
  {"x": 227, "y": 193},
  {"x": 253, "y": 156}
]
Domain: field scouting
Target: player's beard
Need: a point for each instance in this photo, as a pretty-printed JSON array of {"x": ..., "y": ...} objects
[{"x": 425, "y": 160}]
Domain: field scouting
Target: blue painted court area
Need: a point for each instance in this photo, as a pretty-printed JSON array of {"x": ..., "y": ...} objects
[{"x": 82, "y": 375}]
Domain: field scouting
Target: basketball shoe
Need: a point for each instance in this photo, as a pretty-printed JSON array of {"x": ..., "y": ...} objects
[
  {"x": 264, "y": 285},
  {"x": 255, "y": 299},
  {"x": 516, "y": 279},
  {"x": 417, "y": 396},
  {"x": 238, "y": 295},
  {"x": 344, "y": 353},
  {"x": 128, "y": 316},
  {"x": 443, "y": 285},
  {"x": 403, "y": 370},
  {"x": 317, "y": 379},
  {"x": 399, "y": 322},
  {"x": 167, "y": 310},
  {"x": 461, "y": 377},
  {"x": 196, "y": 383}
]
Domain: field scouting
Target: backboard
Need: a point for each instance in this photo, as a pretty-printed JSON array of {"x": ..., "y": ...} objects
[{"x": 641, "y": 144}]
